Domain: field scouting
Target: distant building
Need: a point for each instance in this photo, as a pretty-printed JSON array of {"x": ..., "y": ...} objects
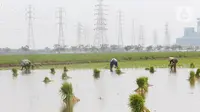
[{"x": 191, "y": 37}]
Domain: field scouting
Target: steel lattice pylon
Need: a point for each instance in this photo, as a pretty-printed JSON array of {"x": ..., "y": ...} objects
[
  {"x": 100, "y": 29},
  {"x": 30, "y": 41}
]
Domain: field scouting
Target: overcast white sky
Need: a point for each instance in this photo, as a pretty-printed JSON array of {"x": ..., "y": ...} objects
[{"x": 151, "y": 13}]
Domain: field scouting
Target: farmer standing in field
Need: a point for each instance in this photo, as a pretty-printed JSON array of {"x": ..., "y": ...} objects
[
  {"x": 172, "y": 63},
  {"x": 113, "y": 62}
]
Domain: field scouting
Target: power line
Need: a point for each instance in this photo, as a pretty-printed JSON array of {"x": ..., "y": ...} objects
[
  {"x": 31, "y": 42},
  {"x": 100, "y": 29},
  {"x": 120, "y": 34}
]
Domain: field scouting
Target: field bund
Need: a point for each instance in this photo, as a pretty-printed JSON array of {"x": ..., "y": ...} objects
[{"x": 101, "y": 60}]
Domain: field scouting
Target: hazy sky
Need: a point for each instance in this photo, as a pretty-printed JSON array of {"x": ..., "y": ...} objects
[{"x": 151, "y": 13}]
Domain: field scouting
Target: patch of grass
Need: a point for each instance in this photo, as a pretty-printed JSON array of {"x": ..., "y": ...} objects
[
  {"x": 146, "y": 68},
  {"x": 93, "y": 57},
  {"x": 53, "y": 71},
  {"x": 158, "y": 63},
  {"x": 96, "y": 73}
]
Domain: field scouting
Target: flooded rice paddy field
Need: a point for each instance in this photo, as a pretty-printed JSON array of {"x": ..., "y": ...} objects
[{"x": 27, "y": 93}]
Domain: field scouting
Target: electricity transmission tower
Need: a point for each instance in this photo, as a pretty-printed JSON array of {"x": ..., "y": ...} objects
[
  {"x": 155, "y": 37},
  {"x": 133, "y": 34},
  {"x": 79, "y": 33},
  {"x": 167, "y": 36},
  {"x": 100, "y": 29},
  {"x": 120, "y": 35},
  {"x": 141, "y": 35},
  {"x": 29, "y": 14},
  {"x": 61, "y": 39}
]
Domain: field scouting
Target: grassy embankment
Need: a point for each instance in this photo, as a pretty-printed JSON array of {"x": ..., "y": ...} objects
[{"x": 101, "y": 60}]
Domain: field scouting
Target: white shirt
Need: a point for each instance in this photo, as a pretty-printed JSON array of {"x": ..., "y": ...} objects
[{"x": 113, "y": 59}]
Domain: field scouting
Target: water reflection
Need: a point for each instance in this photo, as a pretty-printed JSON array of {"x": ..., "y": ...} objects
[
  {"x": 109, "y": 93},
  {"x": 192, "y": 83}
]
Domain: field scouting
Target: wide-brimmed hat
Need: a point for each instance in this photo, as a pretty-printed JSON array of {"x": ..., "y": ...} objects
[{"x": 170, "y": 58}]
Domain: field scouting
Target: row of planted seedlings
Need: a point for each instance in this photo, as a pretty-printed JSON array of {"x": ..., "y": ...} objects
[
  {"x": 64, "y": 75},
  {"x": 151, "y": 69},
  {"x": 66, "y": 90},
  {"x": 137, "y": 101},
  {"x": 96, "y": 72},
  {"x": 46, "y": 79}
]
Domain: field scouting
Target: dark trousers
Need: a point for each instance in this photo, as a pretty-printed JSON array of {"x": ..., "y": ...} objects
[
  {"x": 113, "y": 63},
  {"x": 173, "y": 67}
]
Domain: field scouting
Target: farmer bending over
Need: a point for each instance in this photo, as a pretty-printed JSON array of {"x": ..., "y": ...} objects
[
  {"x": 172, "y": 63},
  {"x": 113, "y": 62}
]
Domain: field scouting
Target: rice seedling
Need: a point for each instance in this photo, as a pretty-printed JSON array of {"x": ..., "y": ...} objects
[
  {"x": 32, "y": 67},
  {"x": 192, "y": 83},
  {"x": 96, "y": 73},
  {"x": 137, "y": 103},
  {"x": 46, "y": 80},
  {"x": 52, "y": 71},
  {"x": 142, "y": 83},
  {"x": 192, "y": 65},
  {"x": 118, "y": 71},
  {"x": 192, "y": 75},
  {"x": 65, "y": 69},
  {"x": 64, "y": 76},
  {"x": 151, "y": 69},
  {"x": 14, "y": 71},
  {"x": 66, "y": 91},
  {"x": 198, "y": 73}
]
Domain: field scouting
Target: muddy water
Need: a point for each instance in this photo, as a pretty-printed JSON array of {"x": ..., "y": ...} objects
[{"x": 27, "y": 93}]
